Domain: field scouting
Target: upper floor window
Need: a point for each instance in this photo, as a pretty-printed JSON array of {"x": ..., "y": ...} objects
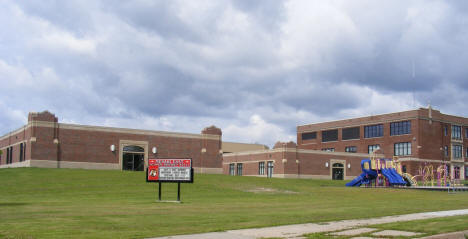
[
  {"x": 456, "y": 132},
  {"x": 466, "y": 133},
  {"x": 372, "y": 148},
  {"x": 446, "y": 151},
  {"x": 399, "y": 128},
  {"x": 350, "y": 133},
  {"x": 445, "y": 130},
  {"x": 402, "y": 149},
  {"x": 351, "y": 149},
  {"x": 372, "y": 131},
  {"x": 329, "y": 149},
  {"x": 261, "y": 168},
  {"x": 457, "y": 151},
  {"x": 309, "y": 135},
  {"x": 330, "y": 135}
]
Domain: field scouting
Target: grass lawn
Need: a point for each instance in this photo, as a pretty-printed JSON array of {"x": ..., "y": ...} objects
[{"x": 72, "y": 203}]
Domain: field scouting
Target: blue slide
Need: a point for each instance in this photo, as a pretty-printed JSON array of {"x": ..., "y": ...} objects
[
  {"x": 365, "y": 176},
  {"x": 393, "y": 177}
]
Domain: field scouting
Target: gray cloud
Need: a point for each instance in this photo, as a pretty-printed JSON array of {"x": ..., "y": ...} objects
[{"x": 256, "y": 69}]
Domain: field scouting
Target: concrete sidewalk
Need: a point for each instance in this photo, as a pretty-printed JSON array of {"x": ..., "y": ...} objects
[{"x": 296, "y": 231}]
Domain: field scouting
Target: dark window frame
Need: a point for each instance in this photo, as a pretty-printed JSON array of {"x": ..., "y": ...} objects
[
  {"x": 351, "y": 149},
  {"x": 375, "y": 147},
  {"x": 240, "y": 169},
  {"x": 373, "y": 131},
  {"x": 457, "y": 151},
  {"x": 456, "y": 132},
  {"x": 309, "y": 135},
  {"x": 402, "y": 149},
  {"x": 330, "y": 135},
  {"x": 351, "y": 133},
  {"x": 261, "y": 168},
  {"x": 400, "y": 128}
]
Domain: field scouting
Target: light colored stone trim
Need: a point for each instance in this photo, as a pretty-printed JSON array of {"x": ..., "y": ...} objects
[
  {"x": 208, "y": 170},
  {"x": 138, "y": 131},
  {"x": 111, "y": 130},
  {"x": 247, "y": 161},
  {"x": 16, "y": 165},
  {"x": 123, "y": 143},
  {"x": 304, "y": 151},
  {"x": 304, "y": 176},
  {"x": 330, "y": 166},
  {"x": 12, "y": 133},
  {"x": 422, "y": 160},
  {"x": 10, "y": 145},
  {"x": 61, "y": 164}
]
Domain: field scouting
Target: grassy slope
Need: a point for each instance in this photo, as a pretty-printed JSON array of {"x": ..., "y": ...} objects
[{"x": 63, "y": 203}]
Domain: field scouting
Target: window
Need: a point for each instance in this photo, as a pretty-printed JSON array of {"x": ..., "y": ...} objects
[
  {"x": 466, "y": 133},
  {"x": 466, "y": 153},
  {"x": 445, "y": 130},
  {"x": 239, "y": 169},
  {"x": 372, "y": 148},
  {"x": 7, "y": 156},
  {"x": 350, "y": 133},
  {"x": 10, "y": 159},
  {"x": 261, "y": 168},
  {"x": 457, "y": 151},
  {"x": 446, "y": 151},
  {"x": 373, "y": 131},
  {"x": 402, "y": 149},
  {"x": 21, "y": 153},
  {"x": 456, "y": 172},
  {"x": 403, "y": 168},
  {"x": 456, "y": 132},
  {"x": 351, "y": 149},
  {"x": 330, "y": 135},
  {"x": 329, "y": 149},
  {"x": 399, "y": 128},
  {"x": 232, "y": 170},
  {"x": 310, "y": 135}
]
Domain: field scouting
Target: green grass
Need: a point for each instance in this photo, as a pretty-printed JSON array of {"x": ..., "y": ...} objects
[
  {"x": 68, "y": 203},
  {"x": 427, "y": 227}
]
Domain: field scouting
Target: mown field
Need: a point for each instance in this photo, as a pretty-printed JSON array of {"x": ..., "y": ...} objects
[{"x": 72, "y": 203}]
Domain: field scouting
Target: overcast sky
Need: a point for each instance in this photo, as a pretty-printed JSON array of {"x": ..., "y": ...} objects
[{"x": 256, "y": 69}]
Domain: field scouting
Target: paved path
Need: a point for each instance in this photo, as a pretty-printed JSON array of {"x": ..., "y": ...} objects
[{"x": 296, "y": 231}]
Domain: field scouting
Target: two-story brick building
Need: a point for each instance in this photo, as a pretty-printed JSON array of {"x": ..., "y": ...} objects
[{"x": 334, "y": 149}]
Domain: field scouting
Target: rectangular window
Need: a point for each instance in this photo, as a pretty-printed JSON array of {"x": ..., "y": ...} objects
[
  {"x": 466, "y": 133},
  {"x": 350, "y": 133},
  {"x": 11, "y": 155},
  {"x": 309, "y": 135},
  {"x": 456, "y": 132},
  {"x": 372, "y": 131},
  {"x": 372, "y": 148},
  {"x": 457, "y": 151},
  {"x": 239, "y": 169},
  {"x": 330, "y": 135},
  {"x": 402, "y": 149},
  {"x": 351, "y": 149},
  {"x": 329, "y": 149},
  {"x": 261, "y": 168},
  {"x": 7, "y": 156},
  {"x": 21, "y": 153},
  {"x": 445, "y": 130},
  {"x": 399, "y": 128},
  {"x": 446, "y": 151},
  {"x": 466, "y": 152},
  {"x": 232, "y": 170}
]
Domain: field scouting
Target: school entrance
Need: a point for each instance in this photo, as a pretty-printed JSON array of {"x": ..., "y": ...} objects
[
  {"x": 133, "y": 158},
  {"x": 337, "y": 171}
]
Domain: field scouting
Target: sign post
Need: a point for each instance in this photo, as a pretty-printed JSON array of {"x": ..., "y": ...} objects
[{"x": 170, "y": 171}]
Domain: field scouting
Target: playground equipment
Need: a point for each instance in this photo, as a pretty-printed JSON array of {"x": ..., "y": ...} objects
[{"x": 379, "y": 172}]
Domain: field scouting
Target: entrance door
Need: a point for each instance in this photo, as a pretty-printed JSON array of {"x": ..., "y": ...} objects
[
  {"x": 133, "y": 158},
  {"x": 337, "y": 171},
  {"x": 270, "y": 169}
]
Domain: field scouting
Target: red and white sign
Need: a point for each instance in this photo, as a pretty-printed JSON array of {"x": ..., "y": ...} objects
[{"x": 170, "y": 170}]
